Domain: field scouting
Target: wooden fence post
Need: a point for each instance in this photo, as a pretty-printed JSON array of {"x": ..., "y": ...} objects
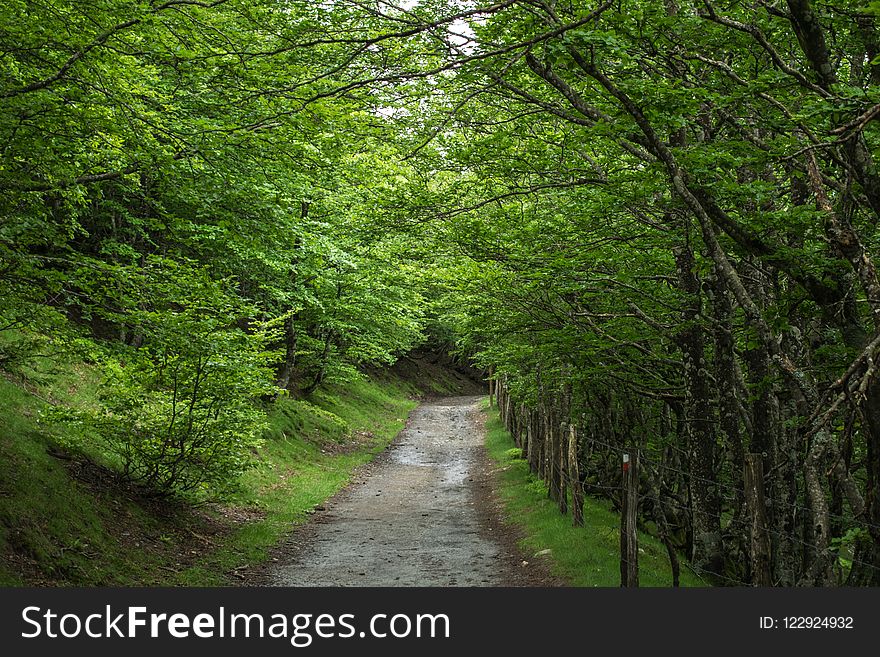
[
  {"x": 511, "y": 420},
  {"x": 500, "y": 393},
  {"x": 530, "y": 441},
  {"x": 534, "y": 444},
  {"x": 629, "y": 539},
  {"x": 574, "y": 479},
  {"x": 552, "y": 458},
  {"x": 542, "y": 444},
  {"x": 539, "y": 444},
  {"x": 562, "y": 476},
  {"x": 491, "y": 384},
  {"x": 759, "y": 549}
]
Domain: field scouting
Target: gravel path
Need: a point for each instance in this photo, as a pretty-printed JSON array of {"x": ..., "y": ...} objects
[{"x": 416, "y": 519}]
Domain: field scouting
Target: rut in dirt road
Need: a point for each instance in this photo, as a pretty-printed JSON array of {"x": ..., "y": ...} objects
[{"x": 413, "y": 522}]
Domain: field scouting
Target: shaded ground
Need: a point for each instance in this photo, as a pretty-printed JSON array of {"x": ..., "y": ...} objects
[
  {"x": 168, "y": 537},
  {"x": 423, "y": 514}
]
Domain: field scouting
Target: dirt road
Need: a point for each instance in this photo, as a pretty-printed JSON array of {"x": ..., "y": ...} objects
[{"x": 418, "y": 516}]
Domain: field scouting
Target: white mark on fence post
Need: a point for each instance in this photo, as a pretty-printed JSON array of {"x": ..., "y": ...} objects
[{"x": 629, "y": 540}]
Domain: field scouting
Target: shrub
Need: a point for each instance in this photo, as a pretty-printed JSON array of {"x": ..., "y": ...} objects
[{"x": 180, "y": 413}]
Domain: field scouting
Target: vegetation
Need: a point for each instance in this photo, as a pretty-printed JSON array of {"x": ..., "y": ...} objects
[
  {"x": 65, "y": 520},
  {"x": 310, "y": 453},
  {"x": 582, "y": 557},
  {"x": 654, "y": 221}
]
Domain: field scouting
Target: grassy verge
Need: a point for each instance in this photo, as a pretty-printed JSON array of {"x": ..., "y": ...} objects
[
  {"x": 60, "y": 523},
  {"x": 65, "y": 521},
  {"x": 311, "y": 451},
  {"x": 584, "y": 556}
]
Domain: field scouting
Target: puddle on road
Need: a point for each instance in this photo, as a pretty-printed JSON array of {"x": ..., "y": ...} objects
[{"x": 412, "y": 522}]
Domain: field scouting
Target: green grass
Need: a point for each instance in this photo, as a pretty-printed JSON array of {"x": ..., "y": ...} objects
[
  {"x": 66, "y": 523},
  {"x": 583, "y": 556},
  {"x": 312, "y": 448},
  {"x": 55, "y": 526}
]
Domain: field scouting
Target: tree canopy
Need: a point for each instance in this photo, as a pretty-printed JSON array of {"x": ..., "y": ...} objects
[{"x": 652, "y": 221}]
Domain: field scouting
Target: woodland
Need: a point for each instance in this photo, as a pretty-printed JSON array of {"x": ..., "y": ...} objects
[{"x": 651, "y": 223}]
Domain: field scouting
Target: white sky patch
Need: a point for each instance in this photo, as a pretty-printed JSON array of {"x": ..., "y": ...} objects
[
  {"x": 460, "y": 32},
  {"x": 462, "y": 35}
]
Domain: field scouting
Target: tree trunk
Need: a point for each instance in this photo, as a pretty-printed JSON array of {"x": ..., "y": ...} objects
[
  {"x": 728, "y": 404},
  {"x": 574, "y": 479},
  {"x": 290, "y": 344},
  {"x": 871, "y": 412},
  {"x": 759, "y": 549},
  {"x": 705, "y": 507}
]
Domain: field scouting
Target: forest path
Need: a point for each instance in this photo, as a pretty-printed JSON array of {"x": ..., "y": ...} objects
[{"x": 422, "y": 514}]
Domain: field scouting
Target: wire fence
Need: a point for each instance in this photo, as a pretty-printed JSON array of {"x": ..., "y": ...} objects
[{"x": 733, "y": 496}]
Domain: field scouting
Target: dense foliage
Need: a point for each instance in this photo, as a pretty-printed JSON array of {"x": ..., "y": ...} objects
[
  {"x": 674, "y": 208},
  {"x": 181, "y": 205},
  {"x": 654, "y": 221}
]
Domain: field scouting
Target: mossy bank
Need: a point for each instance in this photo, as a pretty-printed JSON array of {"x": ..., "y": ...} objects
[{"x": 66, "y": 519}]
